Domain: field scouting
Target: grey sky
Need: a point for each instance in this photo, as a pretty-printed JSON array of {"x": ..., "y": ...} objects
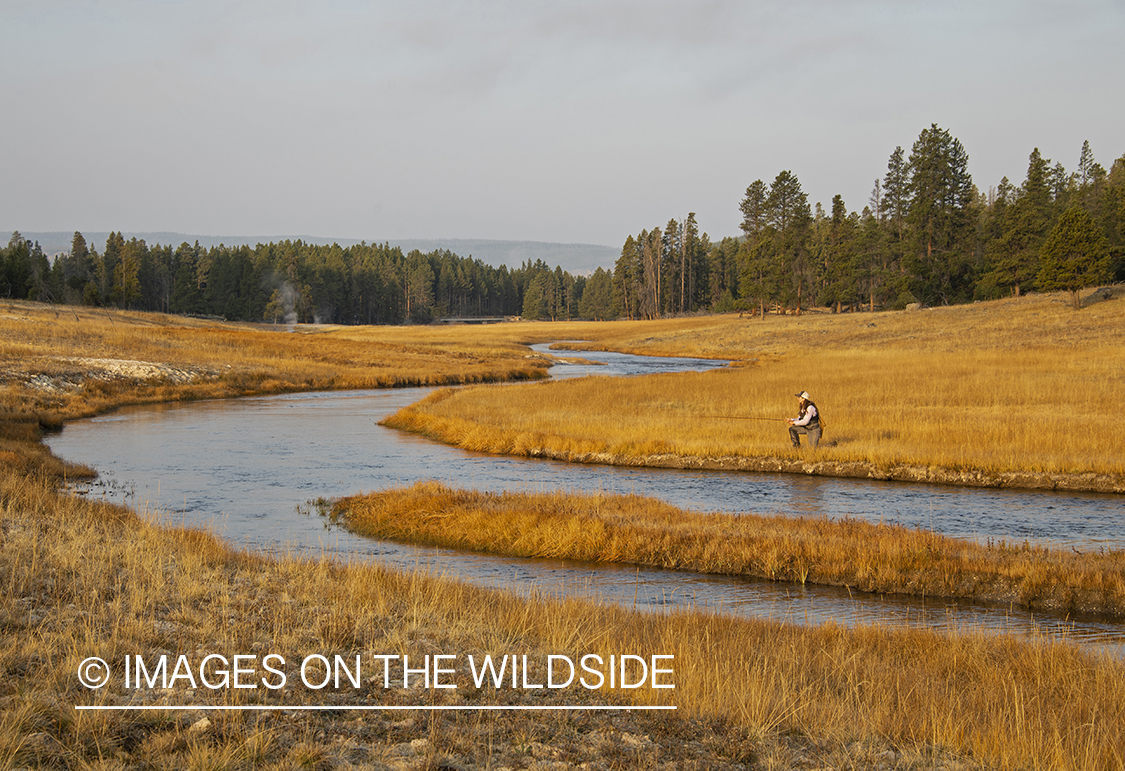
[{"x": 549, "y": 121}]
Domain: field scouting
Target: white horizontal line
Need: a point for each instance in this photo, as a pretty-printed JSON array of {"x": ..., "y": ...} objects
[{"x": 331, "y": 708}]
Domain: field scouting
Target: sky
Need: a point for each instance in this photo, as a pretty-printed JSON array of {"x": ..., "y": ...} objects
[{"x": 572, "y": 122}]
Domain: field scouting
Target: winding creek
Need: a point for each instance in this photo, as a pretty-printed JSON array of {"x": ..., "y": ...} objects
[{"x": 246, "y": 468}]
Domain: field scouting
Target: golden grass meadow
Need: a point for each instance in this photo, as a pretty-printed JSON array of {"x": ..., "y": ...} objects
[
  {"x": 83, "y": 579},
  {"x": 1011, "y": 393}
]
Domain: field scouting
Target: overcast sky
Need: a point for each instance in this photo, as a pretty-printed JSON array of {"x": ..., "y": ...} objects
[{"x": 548, "y": 121}]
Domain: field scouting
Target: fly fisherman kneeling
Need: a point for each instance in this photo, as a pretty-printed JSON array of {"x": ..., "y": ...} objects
[{"x": 806, "y": 422}]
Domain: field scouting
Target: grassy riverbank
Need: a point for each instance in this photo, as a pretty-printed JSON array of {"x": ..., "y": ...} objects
[
  {"x": 68, "y": 362},
  {"x": 84, "y": 579},
  {"x": 1013, "y": 393},
  {"x": 644, "y": 531}
]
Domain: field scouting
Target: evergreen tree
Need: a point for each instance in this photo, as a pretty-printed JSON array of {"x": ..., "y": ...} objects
[
  {"x": 186, "y": 297},
  {"x": 723, "y": 273},
  {"x": 788, "y": 213},
  {"x": 1022, "y": 225},
  {"x": 74, "y": 270},
  {"x": 597, "y": 301},
  {"x": 1085, "y": 166},
  {"x": 875, "y": 201},
  {"x": 753, "y": 208},
  {"x": 941, "y": 192},
  {"x": 838, "y": 257},
  {"x": 896, "y": 193},
  {"x": 127, "y": 273},
  {"x": 870, "y": 256},
  {"x": 16, "y": 275},
  {"x": 1060, "y": 189},
  {"x": 162, "y": 280},
  {"x": 996, "y": 221},
  {"x": 419, "y": 288},
  {"x": 671, "y": 249},
  {"x": 1075, "y": 255},
  {"x": 537, "y": 300},
  {"x": 693, "y": 263},
  {"x": 651, "y": 253},
  {"x": 753, "y": 257},
  {"x": 1090, "y": 180},
  {"x": 1113, "y": 217},
  {"x": 111, "y": 258},
  {"x": 563, "y": 285},
  {"x": 39, "y": 276},
  {"x": 761, "y": 276}
]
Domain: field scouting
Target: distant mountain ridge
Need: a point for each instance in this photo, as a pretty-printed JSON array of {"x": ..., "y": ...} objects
[{"x": 573, "y": 258}]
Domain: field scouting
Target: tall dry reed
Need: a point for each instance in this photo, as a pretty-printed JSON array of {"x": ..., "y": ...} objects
[{"x": 636, "y": 530}]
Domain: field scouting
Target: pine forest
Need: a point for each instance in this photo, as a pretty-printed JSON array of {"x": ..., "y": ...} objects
[{"x": 926, "y": 235}]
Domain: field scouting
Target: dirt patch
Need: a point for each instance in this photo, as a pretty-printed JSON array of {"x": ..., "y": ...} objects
[{"x": 74, "y": 372}]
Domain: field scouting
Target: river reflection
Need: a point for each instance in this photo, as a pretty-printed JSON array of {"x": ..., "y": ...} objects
[{"x": 242, "y": 467}]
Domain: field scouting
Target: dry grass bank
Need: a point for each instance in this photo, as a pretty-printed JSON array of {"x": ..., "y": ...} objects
[
  {"x": 1010, "y": 393},
  {"x": 82, "y": 579},
  {"x": 71, "y": 362},
  {"x": 1023, "y": 326},
  {"x": 636, "y": 530}
]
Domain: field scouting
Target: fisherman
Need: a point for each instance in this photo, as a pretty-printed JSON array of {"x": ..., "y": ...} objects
[{"x": 806, "y": 422}]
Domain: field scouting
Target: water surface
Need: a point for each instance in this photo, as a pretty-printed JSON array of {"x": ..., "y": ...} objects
[{"x": 243, "y": 468}]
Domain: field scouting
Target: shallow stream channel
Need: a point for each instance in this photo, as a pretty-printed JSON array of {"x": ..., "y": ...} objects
[{"x": 247, "y": 470}]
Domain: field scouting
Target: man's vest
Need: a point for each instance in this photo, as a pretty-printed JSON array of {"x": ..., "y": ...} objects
[{"x": 814, "y": 422}]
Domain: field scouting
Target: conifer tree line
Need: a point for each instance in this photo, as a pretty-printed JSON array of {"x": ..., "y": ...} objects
[
  {"x": 926, "y": 235},
  {"x": 290, "y": 281}
]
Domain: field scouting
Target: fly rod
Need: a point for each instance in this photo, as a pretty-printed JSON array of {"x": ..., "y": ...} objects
[{"x": 736, "y": 417}]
